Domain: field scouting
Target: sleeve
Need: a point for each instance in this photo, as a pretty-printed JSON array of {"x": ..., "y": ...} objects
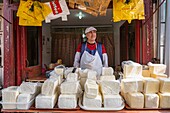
[
  {"x": 77, "y": 60},
  {"x": 79, "y": 48},
  {"x": 103, "y": 49},
  {"x": 105, "y": 60}
]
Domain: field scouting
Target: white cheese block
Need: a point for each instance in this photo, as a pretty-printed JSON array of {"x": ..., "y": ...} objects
[
  {"x": 67, "y": 101},
  {"x": 110, "y": 87},
  {"x": 59, "y": 71},
  {"x": 10, "y": 94},
  {"x": 133, "y": 70},
  {"x": 92, "y": 102},
  {"x": 157, "y": 68},
  {"x": 92, "y": 75},
  {"x": 69, "y": 70},
  {"x": 70, "y": 87},
  {"x": 164, "y": 99},
  {"x": 107, "y": 71},
  {"x": 107, "y": 78},
  {"x": 72, "y": 77},
  {"x": 112, "y": 101},
  {"x": 151, "y": 85},
  {"x": 151, "y": 100},
  {"x": 53, "y": 75},
  {"x": 164, "y": 85},
  {"x": 28, "y": 87},
  {"x": 24, "y": 98},
  {"x": 132, "y": 85},
  {"x": 159, "y": 75},
  {"x": 82, "y": 82},
  {"x": 146, "y": 73},
  {"x": 91, "y": 88},
  {"x": 135, "y": 100},
  {"x": 43, "y": 101},
  {"x": 49, "y": 87},
  {"x": 83, "y": 73}
]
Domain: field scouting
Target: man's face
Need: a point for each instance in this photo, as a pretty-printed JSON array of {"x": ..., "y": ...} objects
[{"x": 91, "y": 36}]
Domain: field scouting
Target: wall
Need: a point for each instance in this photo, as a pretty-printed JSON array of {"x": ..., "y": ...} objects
[
  {"x": 46, "y": 44},
  {"x": 116, "y": 29}
]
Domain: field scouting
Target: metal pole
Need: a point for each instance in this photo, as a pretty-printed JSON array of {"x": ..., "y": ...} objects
[{"x": 167, "y": 38}]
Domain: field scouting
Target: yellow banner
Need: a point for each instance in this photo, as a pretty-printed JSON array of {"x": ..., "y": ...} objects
[{"x": 128, "y": 10}]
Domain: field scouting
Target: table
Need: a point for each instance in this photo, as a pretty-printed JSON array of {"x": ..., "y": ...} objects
[
  {"x": 80, "y": 111},
  {"x": 40, "y": 78}
]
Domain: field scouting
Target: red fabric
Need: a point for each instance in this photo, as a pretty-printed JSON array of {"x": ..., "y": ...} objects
[{"x": 91, "y": 47}]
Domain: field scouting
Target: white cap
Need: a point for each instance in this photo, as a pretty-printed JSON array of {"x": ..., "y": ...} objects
[{"x": 88, "y": 29}]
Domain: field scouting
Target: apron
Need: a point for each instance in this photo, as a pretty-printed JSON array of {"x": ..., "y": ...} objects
[{"x": 92, "y": 62}]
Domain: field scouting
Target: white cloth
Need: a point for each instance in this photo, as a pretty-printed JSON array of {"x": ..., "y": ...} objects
[{"x": 77, "y": 62}]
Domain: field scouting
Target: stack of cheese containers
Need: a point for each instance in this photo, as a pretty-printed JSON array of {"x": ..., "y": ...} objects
[
  {"x": 110, "y": 89},
  {"x": 83, "y": 77},
  {"x": 158, "y": 71},
  {"x": 70, "y": 91},
  {"x": 21, "y": 97},
  {"x": 50, "y": 90},
  {"x": 10, "y": 95},
  {"x": 92, "y": 97},
  {"x": 164, "y": 93},
  {"x": 28, "y": 92},
  {"x": 132, "y": 84}
]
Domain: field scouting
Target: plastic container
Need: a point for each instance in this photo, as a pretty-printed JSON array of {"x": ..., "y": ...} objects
[{"x": 17, "y": 105}]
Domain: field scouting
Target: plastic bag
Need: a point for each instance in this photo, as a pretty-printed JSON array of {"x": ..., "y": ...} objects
[
  {"x": 93, "y": 7},
  {"x": 32, "y": 13},
  {"x": 123, "y": 10},
  {"x": 63, "y": 14}
]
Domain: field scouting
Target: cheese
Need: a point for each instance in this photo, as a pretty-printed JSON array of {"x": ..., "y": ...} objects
[
  {"x": 133, "y": 70},
  {"x": 92, "y": 75},
  {"x": 91, "y": 88},
  {"x": 164, "y": 85},
  {"x": 67, "y": 101},
  {"x": 112, "y": 101},
  {"x": 82, "y": 82},
  {"x": 157, "y": 68},
  {"x": 83, "y": 73},
  {"x": 159, "y": 75},
  {"x": 107, "y": 71},
  {"x": 151, "y": 100},
  {"x": 55, "y": 76},
  {"x": 151, "y": 85},
  {"x": 135, "y": 100},
  {"x": 70, "y": 87},
  {"x": 45, "y": 101},
  {"x": 49, "y": 87},
  {"x": 10, "y": 94},
  {"x": 110, "y": 87},
  {"x": 59, "y": 71},
  {"x": 72, "y": 77},
  {"x": 92, "y": 102},
  {"x": 107, "y": 78},
  {"x": 132, "y": 85},
  {"x": 69, "y": 70},
  {"x": 29, "y": 87},
  {"x": 164, "y": 100},
  {"x": 25, "y": 98},
  {"x": 146, "y": 73}
]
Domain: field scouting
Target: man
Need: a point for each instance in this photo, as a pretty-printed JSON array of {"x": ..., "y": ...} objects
[{"x": 90, "y": 54}]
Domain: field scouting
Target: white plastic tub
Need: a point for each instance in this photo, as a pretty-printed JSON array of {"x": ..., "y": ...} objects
[{"x": 17, "y": 105}]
